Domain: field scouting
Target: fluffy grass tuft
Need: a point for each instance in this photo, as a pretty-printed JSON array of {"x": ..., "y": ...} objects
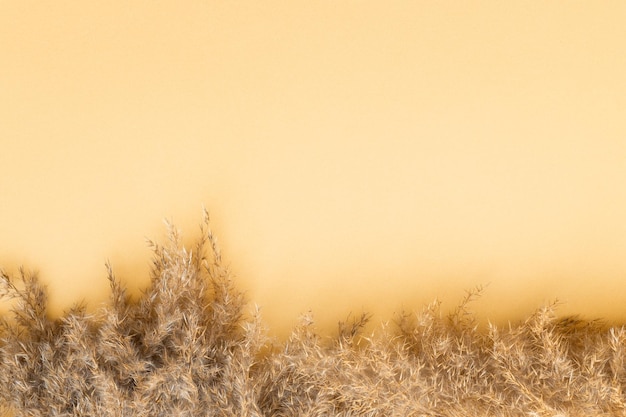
[{"x": 187, "y": 347}]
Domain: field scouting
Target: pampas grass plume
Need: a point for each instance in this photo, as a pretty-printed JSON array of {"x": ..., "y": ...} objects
[{"x": 189, "y": 346}]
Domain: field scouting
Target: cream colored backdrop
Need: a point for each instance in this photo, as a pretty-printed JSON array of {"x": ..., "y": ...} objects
[{"x": 354, "y": 156}]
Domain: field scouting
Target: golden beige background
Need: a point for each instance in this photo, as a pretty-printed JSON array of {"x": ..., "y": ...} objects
[{"x": 354, "y": 156}]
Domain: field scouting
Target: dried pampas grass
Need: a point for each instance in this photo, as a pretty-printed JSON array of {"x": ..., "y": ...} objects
[{"x": 188, "y": 348}]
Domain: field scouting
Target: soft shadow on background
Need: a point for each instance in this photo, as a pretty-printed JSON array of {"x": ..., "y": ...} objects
[{"x": 354, "y": 157}]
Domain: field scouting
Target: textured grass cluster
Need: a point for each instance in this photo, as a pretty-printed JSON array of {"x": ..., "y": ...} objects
[{"x": 189, "y": 347}]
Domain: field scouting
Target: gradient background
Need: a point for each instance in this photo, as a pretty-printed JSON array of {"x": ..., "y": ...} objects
[{"x": 369, "y": 155}]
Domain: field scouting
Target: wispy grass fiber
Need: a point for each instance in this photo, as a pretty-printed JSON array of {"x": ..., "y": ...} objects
[{"x": 188, "y": 347}]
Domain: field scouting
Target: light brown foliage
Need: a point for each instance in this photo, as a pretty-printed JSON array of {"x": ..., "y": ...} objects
[{"x": 186, "y": 348}]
